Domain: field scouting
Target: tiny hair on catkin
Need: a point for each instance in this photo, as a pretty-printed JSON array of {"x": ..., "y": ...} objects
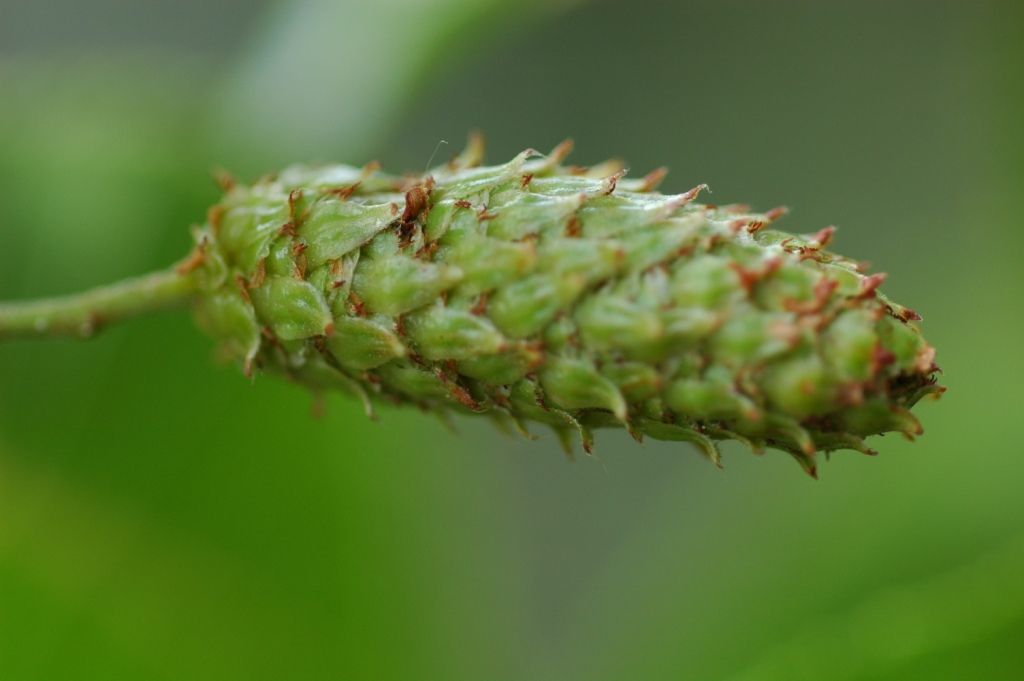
[{"x": 535, "y": 292}]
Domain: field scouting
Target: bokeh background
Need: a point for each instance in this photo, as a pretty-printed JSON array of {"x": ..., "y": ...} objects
[{"x": 163, "y": 518}]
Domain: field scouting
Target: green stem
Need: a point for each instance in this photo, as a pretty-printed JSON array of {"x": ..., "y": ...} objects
[{"x": 83, "y": 314}]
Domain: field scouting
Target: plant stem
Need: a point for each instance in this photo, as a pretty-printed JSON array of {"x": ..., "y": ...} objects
[{"x": 83, "y": 314}]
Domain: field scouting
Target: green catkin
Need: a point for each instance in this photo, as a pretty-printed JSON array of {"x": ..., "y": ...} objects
[{"x": 533, "y": 292}]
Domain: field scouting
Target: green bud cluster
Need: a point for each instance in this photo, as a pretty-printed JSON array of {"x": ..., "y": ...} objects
[{"x": 568, "y": 296}]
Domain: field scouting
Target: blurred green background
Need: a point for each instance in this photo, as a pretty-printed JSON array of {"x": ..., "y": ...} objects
[{"x": 163, "y": 518}]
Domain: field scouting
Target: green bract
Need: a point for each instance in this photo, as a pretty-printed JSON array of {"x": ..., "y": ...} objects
[{"x": 572, "y": 297}]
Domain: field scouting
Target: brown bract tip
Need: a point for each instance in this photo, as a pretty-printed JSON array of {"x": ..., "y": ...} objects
[
  {"x": 194, "y": 259},
  {"x": 225, "y": 180},
  {"x": 690, "y": 195},
  {"x": 214, "y": 216},
  {"x": 822, "y": 292},
  {"x": 735, "y": 208},
  {"x": 869, "y": 285},
  {"x": 294, "y": 196},
  {"x": 258, "y": 277},
  {"x": 243, "y": 287},
  {"x": 480, "y": 305},
  {"x": 369, "y": 170},
  {"x": 907, "y": 315},
  {"x": 472, "y": 155},
  {"x": 573, "y": 228},
  {"x": 358, "y": 306},
  {"x": 560, "y": 152},
  {"x": 822, "y": 237},
  {"x": 458, "y": 392},
  {"x": 881, "y": 358},
  {"x": 653, "y": 179},
  {"x": 609, "y": 183},
  {"x": 346, "y": 192}
]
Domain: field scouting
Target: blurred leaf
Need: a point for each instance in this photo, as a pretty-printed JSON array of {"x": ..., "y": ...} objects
[
  {"x": 325, "y": 80},
  {"x": 100, "y": 173},
  {"x": 890, "y": 630}
]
